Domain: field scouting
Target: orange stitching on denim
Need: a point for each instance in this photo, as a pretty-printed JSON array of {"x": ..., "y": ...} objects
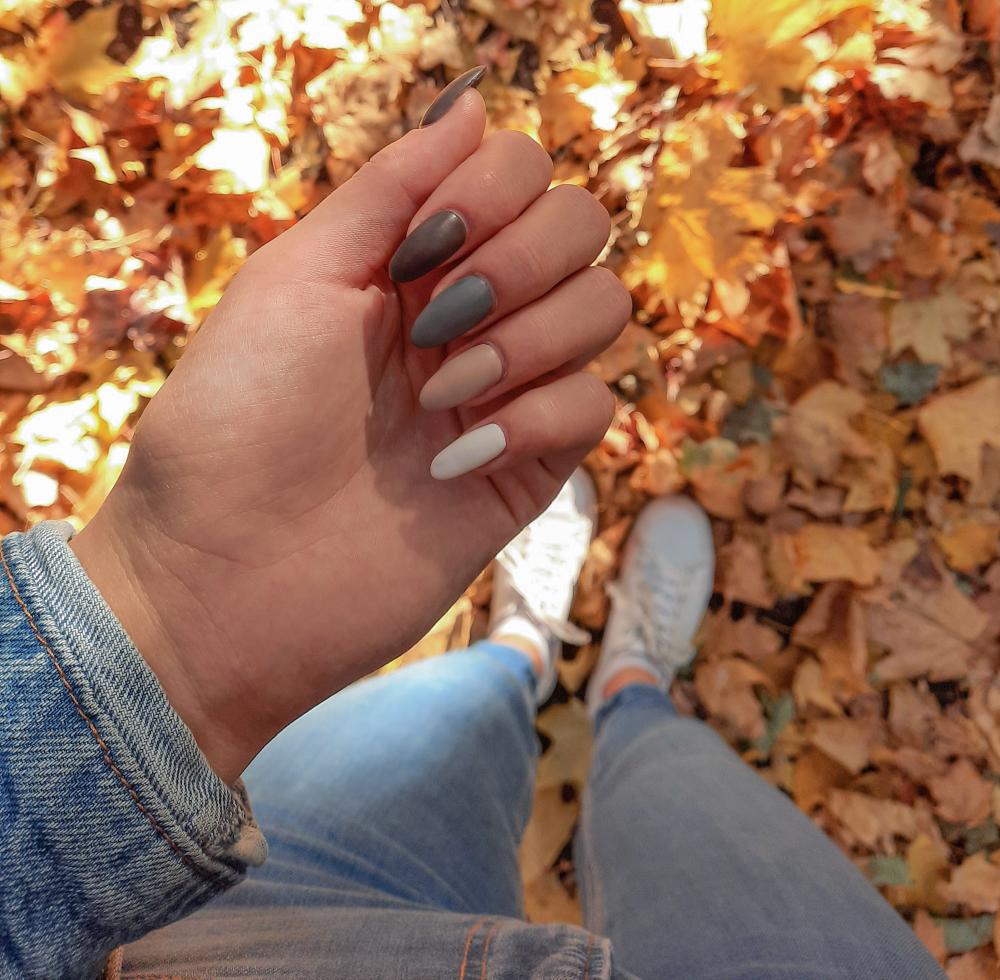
[
  {"x": 473, "y": 929},
  {"x": 590, "y": 943},
  {"x": 93, "y": 729},
  {"x": 486, "y": 949}
]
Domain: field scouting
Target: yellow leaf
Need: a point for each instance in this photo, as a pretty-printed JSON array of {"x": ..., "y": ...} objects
[
  {"x": 700, "y": 213},
  {"x": 78, "y": 63},
  {"x": 760, "y": 44}
]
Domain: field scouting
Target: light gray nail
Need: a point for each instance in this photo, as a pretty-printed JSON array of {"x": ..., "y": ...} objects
[
  {"x": 469, "y": 451},
  {"x": 453, "y": 312}
]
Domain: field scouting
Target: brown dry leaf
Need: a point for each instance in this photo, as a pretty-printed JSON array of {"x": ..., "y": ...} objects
[
  {"x": 958, "y": 425},
  {"x": 700, "y": 213},
  {"x": 567, "y": 759},
  {"x": 845, "y": 740},
  {"x": 917, "y": 646},
  {"x": 818, "y": 433},
  {"x": 962, "y": 795},
  {"x": 829, "y": 553},
  {"x": 810, "y": 687},
  {"x": 926, "y": 326},
  {"x": 834, "y": 627},
  {"x": 815, "y": 774},
  {"x": 726, "y": 688},
  {"x": 969, "y": 544},
  {"x": 742, "y": 573},
  {"x": 874, "y": 823},
  {"x": 550, "y": 827},
  {"x": 975, "y": 883}
]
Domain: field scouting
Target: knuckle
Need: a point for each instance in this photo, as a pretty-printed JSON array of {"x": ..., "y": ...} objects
[
  {"x": 597, "y": 396},
  {"x": 529, "y": 152},
  {"x": 527, "y": 264},
  {"x": 548, "y": 339}
]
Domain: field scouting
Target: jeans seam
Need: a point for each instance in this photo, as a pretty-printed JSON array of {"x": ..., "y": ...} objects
[
  {"x": 105, "y": 751},
  {"x": 473, "y": 929},
  {"x": 486, "y": 949}
]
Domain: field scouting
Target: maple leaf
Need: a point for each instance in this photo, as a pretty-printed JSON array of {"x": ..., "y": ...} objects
[
  {"x": 959, "y": 424},
  {"x": 701, "y": 214},
  {"x": 926, "y": 325},
  {"x": 77, "y": 52},
  {"x": 760, "y": 44}
]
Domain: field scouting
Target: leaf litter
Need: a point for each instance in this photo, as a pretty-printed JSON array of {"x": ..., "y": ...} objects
[{"x": 806, "y": 204}]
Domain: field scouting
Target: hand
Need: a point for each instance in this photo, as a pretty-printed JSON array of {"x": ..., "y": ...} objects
[{"x": 277, "y": 532}]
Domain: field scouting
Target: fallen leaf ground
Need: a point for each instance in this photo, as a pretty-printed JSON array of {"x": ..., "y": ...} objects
[{"x": 806, "y": 202}]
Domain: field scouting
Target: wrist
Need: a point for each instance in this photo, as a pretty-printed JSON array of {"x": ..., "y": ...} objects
[{"x": 141, "y": 575}]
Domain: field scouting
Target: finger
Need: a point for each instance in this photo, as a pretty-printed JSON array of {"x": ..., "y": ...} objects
[
  {"x": 564, "y": 230},
  {"x": 571, "y": 413},
  {"x": 356, "y": 229},
  {"x": 573, "y": 322},
  {"x": 485, "y": 193}
]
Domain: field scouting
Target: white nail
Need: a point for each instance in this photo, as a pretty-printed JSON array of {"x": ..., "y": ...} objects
[{"x": 469, "y": 451}]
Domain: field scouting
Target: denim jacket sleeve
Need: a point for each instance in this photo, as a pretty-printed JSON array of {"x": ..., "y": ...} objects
[{"x": 112, "y": 822}]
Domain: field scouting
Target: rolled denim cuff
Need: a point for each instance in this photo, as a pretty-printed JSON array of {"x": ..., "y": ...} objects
[{"x": 115, "y": 817}]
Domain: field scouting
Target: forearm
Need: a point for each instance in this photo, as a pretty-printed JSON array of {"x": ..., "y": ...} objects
[{"x": 113, "y": 821}]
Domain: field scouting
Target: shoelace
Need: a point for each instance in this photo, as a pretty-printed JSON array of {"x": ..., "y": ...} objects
[
  {"x": 534, "y": 560},
  {"x": 652, "y": 608}
]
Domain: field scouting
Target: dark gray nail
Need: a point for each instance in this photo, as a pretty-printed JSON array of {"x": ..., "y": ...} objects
[
  {"x": 428, "y": 245},
  {"x": 450, "y": 93},
  {"x": 454, "y": 312}
]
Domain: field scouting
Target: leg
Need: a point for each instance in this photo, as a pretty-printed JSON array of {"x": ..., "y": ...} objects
[
  {"x": 690, "y": 863},
  {"x": 693, "y": 866},
  {"x": 414, "y": 786}
]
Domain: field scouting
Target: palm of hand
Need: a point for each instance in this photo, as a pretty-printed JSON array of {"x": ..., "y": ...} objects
[{"x": 276, "y": 532}]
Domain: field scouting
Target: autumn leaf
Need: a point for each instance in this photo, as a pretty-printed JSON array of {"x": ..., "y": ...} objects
[
  {"x": 975, "y": 883},
  {"x": 828, "y": 553},
  {"x": 701, "y": 214},
  {"x": 78, "y": 63},
  {"x": 761, "y": 45},
  {"x": 959, "y": 424},
  {"x": 926, "y": 326}
]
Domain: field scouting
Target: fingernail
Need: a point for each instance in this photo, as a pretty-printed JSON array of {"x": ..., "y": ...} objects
[
  {"x": 469, "y": 451},
  {"x": 453, "y": 312},
  {"x": 463, "y": 377},
  {"x": 428, "y": 245},
  {"x": 450, "y": 93}
]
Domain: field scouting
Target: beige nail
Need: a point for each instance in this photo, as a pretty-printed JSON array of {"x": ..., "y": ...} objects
[
  {"x": 468, "y": 451},
  {"x": 461, "y": 378}
]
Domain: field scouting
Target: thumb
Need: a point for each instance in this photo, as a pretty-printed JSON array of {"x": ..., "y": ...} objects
[{"x": 354, "y": 232}]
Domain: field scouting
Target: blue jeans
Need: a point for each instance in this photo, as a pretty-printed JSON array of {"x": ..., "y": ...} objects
[{"x": 394, "y": 812}]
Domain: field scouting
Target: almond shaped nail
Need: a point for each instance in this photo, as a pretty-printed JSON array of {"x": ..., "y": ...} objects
[
  {"x": 450, "y": 93},
  {"x": 469, "y": 451},
  {"x": 462, "y": 377},
  {"x": 453, "y": 312},
  {"x": 429, "y": 244}
]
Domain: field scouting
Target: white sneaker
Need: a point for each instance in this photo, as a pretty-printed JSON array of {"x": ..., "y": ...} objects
[
  {"x": 536, "y": 576},
  {"x": 660, "y": 597}
]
